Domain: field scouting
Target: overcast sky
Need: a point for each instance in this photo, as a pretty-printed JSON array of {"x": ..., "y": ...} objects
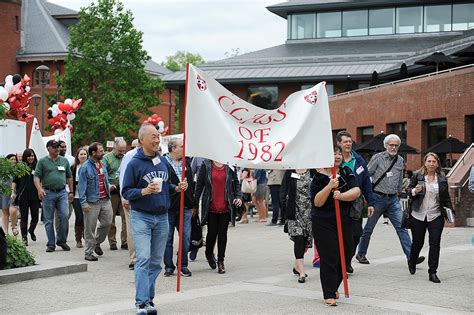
[{"x": 209, "y": 28}]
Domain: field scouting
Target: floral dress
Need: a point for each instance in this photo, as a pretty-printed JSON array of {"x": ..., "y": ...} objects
[{"x": 301, "y": 226}]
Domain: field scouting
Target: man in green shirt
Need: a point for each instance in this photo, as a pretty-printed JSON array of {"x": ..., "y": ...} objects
[
  {"x": 51, "y": 175},
  {"x": 112, "y": 162}
]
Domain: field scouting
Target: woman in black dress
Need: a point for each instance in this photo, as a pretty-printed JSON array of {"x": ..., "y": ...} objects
[{"x": 324, "y": 189}]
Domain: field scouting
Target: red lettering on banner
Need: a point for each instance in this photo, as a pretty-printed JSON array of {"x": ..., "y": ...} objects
[
  {"x": 260, "y": 133},
  {"x": 249, "y": 132},
  {"x": 220, "y": 101},
  {"x": 264, "y": 153},
  {"x": 236, "y": 110}
]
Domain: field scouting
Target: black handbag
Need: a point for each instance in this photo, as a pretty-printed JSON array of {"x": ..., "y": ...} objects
[
  {"x": 356, "y": 208},
  {"x": 406, "y": 215},
  {"x": 196, "y": 233}
]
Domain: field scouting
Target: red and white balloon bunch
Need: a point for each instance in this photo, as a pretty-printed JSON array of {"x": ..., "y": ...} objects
[
  {"x": 159, "y": 124},
  {"x": 61, "y": 114},
  {"x": 14, "y": 97}
]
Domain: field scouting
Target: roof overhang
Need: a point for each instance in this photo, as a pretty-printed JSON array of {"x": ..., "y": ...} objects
[{"x": 41, "y": 57}]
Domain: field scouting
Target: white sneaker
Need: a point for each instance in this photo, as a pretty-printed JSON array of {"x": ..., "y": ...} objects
[
  {"x": 150, "y": 308},
  {"x": 141, "y": 309}
]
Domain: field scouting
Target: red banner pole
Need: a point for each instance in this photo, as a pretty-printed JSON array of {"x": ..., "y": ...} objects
[
  {"x": 341, "y": 241},
  {"x": 183, "y": 176}
]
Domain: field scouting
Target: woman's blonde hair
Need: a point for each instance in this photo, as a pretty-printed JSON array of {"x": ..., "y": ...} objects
[{"x": 439, "y": 170}]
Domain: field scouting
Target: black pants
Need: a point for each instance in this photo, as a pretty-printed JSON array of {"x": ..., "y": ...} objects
[
  {"x": 418, "y": 230},
  {"x": 356, "y": 225},
  {"x": 326, "y": 240},
  {"x": 217, "y": 225},
  {"x": 33, "y": 205},
  {"x": 299, "y": 246}
]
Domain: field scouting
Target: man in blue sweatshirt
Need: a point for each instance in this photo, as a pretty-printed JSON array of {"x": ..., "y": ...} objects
[{"x": 147, "y": 187}]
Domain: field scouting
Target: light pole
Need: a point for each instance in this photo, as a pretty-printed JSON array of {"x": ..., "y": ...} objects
[
  {"x": 43, "y": 73},
  {"x": 36, "y": 98}
]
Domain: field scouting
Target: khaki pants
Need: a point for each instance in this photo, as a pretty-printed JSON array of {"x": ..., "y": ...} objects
[
  {"x": 102, "y": 212},
  {"x": 117, "y": 206},
  {"x": 131, "y": 247}
]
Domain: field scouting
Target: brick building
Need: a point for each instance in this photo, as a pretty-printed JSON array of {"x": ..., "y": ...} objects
[
  {"x": 343, "y": 43},
  {"x": 35, "y": 32}
]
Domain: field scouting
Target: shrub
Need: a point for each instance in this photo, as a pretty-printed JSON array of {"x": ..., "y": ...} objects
[{"x": 17, "y": 254}]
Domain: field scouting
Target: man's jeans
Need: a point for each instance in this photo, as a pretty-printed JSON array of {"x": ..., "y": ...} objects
[
  {"x": 275, "y": 193},
  {"x": 149, "y": 232},
  {"x": 56, "y": 200},
  {"x": 391, "y": 207},
  {"x": 173, "y": 220}
]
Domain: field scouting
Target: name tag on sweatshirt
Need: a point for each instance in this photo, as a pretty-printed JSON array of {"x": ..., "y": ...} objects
[
  {"x": 61, "y": 168},
  {"x": 359, "y": 170},
  {"x": 156, "y": 160},
  {"x": 295, "y": 175}
]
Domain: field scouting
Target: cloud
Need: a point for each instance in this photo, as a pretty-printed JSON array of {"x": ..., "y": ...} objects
[{"x": 209, "y": 28}]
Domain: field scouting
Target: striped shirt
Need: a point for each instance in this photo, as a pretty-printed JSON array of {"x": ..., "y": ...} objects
[
  {"x": 392, "y": 182},
  {"x": 177, "y": 168}
]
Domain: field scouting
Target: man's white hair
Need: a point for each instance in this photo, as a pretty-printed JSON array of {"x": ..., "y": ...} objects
[
  {"x": 143, "y": 130},
  {"x": 391, "y": 137}
]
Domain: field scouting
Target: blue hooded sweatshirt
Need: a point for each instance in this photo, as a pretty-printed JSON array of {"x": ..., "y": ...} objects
[{"x": 139, "y": 173}]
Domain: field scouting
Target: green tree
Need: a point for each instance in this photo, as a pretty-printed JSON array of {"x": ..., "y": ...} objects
[
  {"x": 105, "y": 66},
  {"x": 9, "y": 170},
  {"x": 179, "y": 60}
]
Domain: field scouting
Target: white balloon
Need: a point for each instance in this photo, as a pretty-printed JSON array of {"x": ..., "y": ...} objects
[
  {"x": 9, "y": 78},
  {"x": 3, "y": 94},
  {"x": 6, "y": 106},
  {"x": 161, "y": 124},
  {"x": 27, "y": 88},
  {"x": 8, "y": 86},
  {"x": 68, "y": 101},
  {"x": 161, "y": 129},
  {"x": 71, "y": 116},
  {"x": 56, "y": 107},
  {"x": 57, "y": 131},
  {"x": 55, "y": 112}
]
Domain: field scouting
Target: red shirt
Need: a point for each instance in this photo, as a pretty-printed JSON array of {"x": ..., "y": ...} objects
[
  {"x": 218, "y": 203},
  {"x": 102, "y": 191}
]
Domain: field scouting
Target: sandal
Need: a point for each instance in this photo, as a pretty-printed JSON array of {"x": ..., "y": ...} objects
[
  {"x": 330, "y": 302},
  {"x": 15, "y": 231}
]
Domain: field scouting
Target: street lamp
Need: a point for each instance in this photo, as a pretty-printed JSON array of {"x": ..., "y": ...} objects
[
  {"x": 43, "y": 74},
  {"x": 36, "y": 98}
]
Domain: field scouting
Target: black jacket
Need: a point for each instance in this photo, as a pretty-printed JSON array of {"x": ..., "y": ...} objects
[
  {"x": 188, "y": 194},
  {"x": 288, "y": 195},
  {"x": 204, "y": 189},
  {"x": 444, "y": 199}
]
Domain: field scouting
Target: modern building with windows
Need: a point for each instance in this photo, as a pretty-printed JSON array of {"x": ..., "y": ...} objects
[{"x": 343, "y": 42}]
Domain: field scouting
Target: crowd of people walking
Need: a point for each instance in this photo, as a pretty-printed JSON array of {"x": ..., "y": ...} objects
[{"x": 143, "y": 187}]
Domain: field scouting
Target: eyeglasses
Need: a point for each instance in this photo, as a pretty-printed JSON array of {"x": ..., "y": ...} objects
[{"x": 394, "y": 145}]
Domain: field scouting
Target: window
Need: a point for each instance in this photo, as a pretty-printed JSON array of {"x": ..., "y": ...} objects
[
  {"x": 437, "y": 18},
  {"x": 354, "y": 23},
  {"x": 334, "y": 134},
  {"x": 365, "y": 133},
  {"x": 400, "y": 129},
  {"x": 409, "y": 20},
  {"x": 265, "y": 97},
  {"x": 329, "y": 24},
  {"x": 17, "y": 24},
  {"x": 469, "y": 129},
  {"x": 463, "y": 16},
  {"x": 329, "y": 87},
  {"x": 303, "y": 26},
  {"x": 436, "y": 131},
  {"x": 381, "y": 21}
]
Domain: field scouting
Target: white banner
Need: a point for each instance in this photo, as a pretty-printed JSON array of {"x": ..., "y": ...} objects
[
  {"x": 222, "y": 127},
  {"x": 38, "y": 142}
]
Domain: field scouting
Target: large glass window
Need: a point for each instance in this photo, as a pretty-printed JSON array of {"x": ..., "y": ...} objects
[
  {"x": 365, "y": 133},
  {"x": 437, "y": 18},
  {"x": 463, "y": 16},
  {"x": 381, "y": 21},
  {"x": 436, "y": 131},
  {"x": 329, "y": 24},
  {"x": 400, "y": 129},
  {"x": 303, "y": 26},
  {"x": 354, "y": 23},
  {"x": 329, "y": 87},
  {"x": 409, "y": 20},
  {"x": 263, "y": 96}
]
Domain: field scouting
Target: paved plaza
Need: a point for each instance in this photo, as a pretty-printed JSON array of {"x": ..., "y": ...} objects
[{"x": 258, "y": 280}]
